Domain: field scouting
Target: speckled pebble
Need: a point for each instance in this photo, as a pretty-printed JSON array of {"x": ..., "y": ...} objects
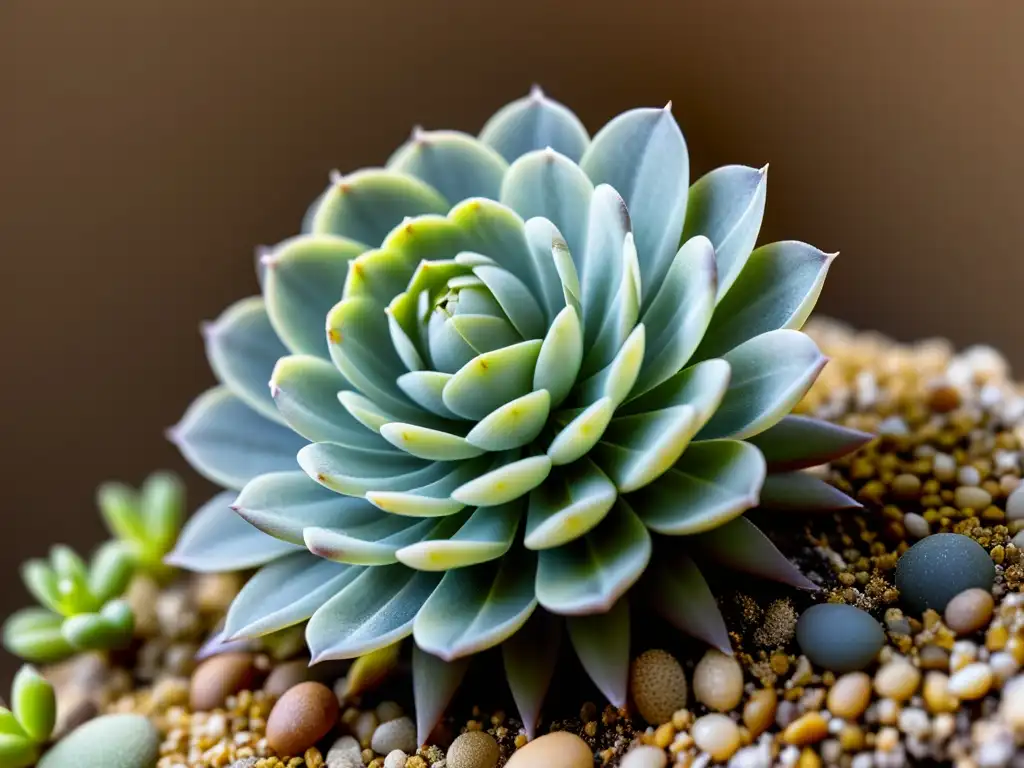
[
  {"x": 111, "y": 741},
  {"x": 938, "y": 568},
  {"x": 839, "y": 637},
  {"x": 473, "y": 749},
  {"x": 555, "y": 750},
  {"x": 717, "y": 735},
  {"x": 644, "y": 756},
  {"x": 345, "y": 753},
  {"x": 718, "y": 681},
  {"x": 395, "y": 759},
  {"x": 300, "y": 718},
  {"x": 969, "y": 611},
  {"x": 394, "y": 734},
  {"x": 658, "y": 686}
]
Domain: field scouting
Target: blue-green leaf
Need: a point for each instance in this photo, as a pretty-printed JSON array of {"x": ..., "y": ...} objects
[
  {"x": 530, "y": 656},
  {"x": 378, "y": 540},
  {"x": 434, "y": 683},
  {"x": 492, "y": 379},
  {"x": 799, "y": 442},
  {"x": 740, "y": 545},
  {"x": 560, "y": 357},
  {"x": 505, "y": 483},
  {"x": 601, "y": 641},
  {"x": 601, "y": 263},
  {"x": 514, "y": 424},
  {"x": 455, "y": 164},
  {"x": 487, "y": 535},
  {"x": 535, "y": 122},
  {"x": 568, "y": 504},
  {"x": 800, "y": 492},
  {"x": 676, "y": 589},
  {"x": 356, "y": 472},
  {"x": 637, "y": 450}
]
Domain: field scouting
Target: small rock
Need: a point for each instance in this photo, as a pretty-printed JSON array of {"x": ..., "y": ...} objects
[
  {"x": 394, "y": 734},
  {"x": 395, "y": 759},
  {"x": 111, "y": 741},
  {"x": 365, "y": 725},
  {"x": 718, "y": 681},
  {"x": 969, "y": 611},
  {"x": 937, "y": 697},
  {"x": 245, "y": 762},
  {"x": 555, "y": 750},
  {"x": 717, "y": 735},
  {"x": 972, "y": 497},
  {"x": 345, "y": 753},
  {"x": 850, "y": 695},
  {"x": 177, "y": 615},
  {"x": 644, "y": 756},
  {"x": 287, "y": 675},
  {"x": 473, "y": 749},
  {"x": 220, "y": 676},
  {"x": 389, "y": 710},
  {"x": 938, "y": 568},
  {"x": 806, "y": 729},
  {"x": 1015, "y": 504},
  {"x": 972, "y": 682},
  {"x": 214, "y": 592},
  {"x": 300, "y": 718},
  {"x": 839, "y": 637},
  {"x": 916, "y": 525},
  {"x": 658, "y": 685},
  {"x": 1011, "y": 708},
  {"x": 759, "y": 711},
  {"x": 897, "y": 680}
]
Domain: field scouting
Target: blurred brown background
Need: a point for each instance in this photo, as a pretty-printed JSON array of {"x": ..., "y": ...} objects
[{"x": 146, "y": 146}]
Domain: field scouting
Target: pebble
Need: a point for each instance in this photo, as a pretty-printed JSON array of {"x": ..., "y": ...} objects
[
  {"x": 394, "y": 734},
  {"x": 939, "y": 567},
  {"x": 969, "y": 611},
  {"x": 218, "y": 677},
  {"x": 937, "y": 697},
  {"x": 839, "y": 637},
  {"x": 717, "y": 735},
  {"x": 658, "y": 685},
  {"x": 300, "y": 718},
  {"x": 972, "y": 682},
  {"x": 643, "y": 756},
  {"x": 388, "y": 710},
  {"x": 396, "y": 759},
  {"x": 718, "y": 681},
  {"x": 345, "y": 753},
  {"x": 111, "y": 741},
  {"x": 473, "y": 749},
  {"x": 850, "y": 695},
  {"x": 916, "y": 525},
  {"x": 1011, "y": 708},
  {"x": 1015, "y": 504},
  {"x": 809, "y": 728},
  {"x": 286, "y": 675},
  {"x": 897, "y": 680},
  {"x": 555, "y": 750},
  {"x": 759, "y": 711}
]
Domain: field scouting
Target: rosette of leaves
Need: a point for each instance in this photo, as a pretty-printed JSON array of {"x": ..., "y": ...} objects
[
  {"x": 28, "y": 724},
  {"x": 78, "y": 609},
  {"x": 511, "y": 375},
  {"x": 147, "y": 521}
]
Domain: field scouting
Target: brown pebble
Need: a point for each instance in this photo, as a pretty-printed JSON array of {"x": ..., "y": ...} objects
[
  {"x": 944, "y": 399},
  {"x": 555, "y": 750},
  {"x": 807, "y": 729},
  {"x": 285, "y": 676},
  {"x": 473, "y": 749},
  {"x": 300, "y": 718},
  {"x": 658, "y": 686},
  {"x": 759, "y": 711},
  {"x": 969, "y": 611},
  {"x": 850, "y": 695},
  {"x": 219, "y": 677}
]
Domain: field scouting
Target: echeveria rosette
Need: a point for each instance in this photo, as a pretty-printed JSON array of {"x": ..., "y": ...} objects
[{"x": 554, "y": 366}]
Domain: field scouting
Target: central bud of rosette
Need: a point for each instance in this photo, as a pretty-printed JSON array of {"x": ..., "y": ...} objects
[{"x": 468, "y": 347}]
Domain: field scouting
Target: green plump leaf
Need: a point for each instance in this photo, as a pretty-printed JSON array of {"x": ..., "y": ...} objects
[
  {"x": 642, "y": 154},
  {"x": 121, "y": 509},
  {"x": 492, "y": 379},
  {"x": 242, "y": 348},
  {"x": 486, "y": 535},
  {"x": 601, "y": 641},
  {"x": 110, "y": 628},
  {"x": 9, "y": 724},
  {"x": 778, "y": 288},
  {"x": 535, "y": 122},
  {"x": 455, "y": 164},
  {"x": 229, "y": 443},
  {"x": 505, "y": 483},
  {"x": 34, "y": 635},
  {"x": 799, "y": 442},
  {"x": 514, "y": 424},
  {"x": 163, "y": 511},
  {"x": 427, "y": 443},
  {"x": 581, "y": 432},
  {"x": 770, "y": 374},
  {"x": 42, "y": 583},
  {"x": 34, "y": 703},
  {"x": 726, "y": 206},
  {"x": 17, "y": 751},
  {"x": 111, "y": 569},
  {"x": 571, "y": 502},
  {"x": 217, "y": 540}
]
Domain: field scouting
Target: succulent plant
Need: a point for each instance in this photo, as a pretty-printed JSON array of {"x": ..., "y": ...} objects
[
  {"x": 147, "y": 520},
  {"x": 78, "y": 607},
  {"x": 510, "y": 376},
  {"x": 28, "y": 724}
]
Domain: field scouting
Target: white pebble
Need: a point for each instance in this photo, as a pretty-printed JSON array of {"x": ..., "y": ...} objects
[
  {"x": 968, "y": 475},
  {"x": 717, "y": 735},
  {"x": 1011, "y": 709},
  {"x": 863, "y": 760},
  {"x": 718, "y": 681},
  {"x": 944, "y": 467},
  {"x": 1003, "y": 665},
  {"x": 971, "y": 497},
  {"x": 1015, "y": 504},
  {"x": 395, "y": 759},
  {"x": 971, "y": 682},
  {"x": 1018, "y": 540},
  {"x": 916, "y": 525},
  {"x": 1006, "y": 461},
  {"x": 789, "y": 756},
  {"x": 644, "y": 756},
  {"x": 893, "y": 425},
  {"x": 915, "y": 722}
]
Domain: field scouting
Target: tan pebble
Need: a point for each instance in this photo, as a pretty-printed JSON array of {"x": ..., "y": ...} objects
[
  {"x": 718, "y": 681},
  {"x": 219, "y": 677},
  {"x": 971, "y": 497},
  {"x": 887, "y": 740},
  {"x": 969, "y": 611},
  {"x": 658, "y": 686},
  {"x": 1003, "y": 666},
  {"x": 996, "y": 637},
  {"x": 851, "y": 738},
  {"x": 717, "y": 735},
  {"x": 887, "y": 711},
  {"x": 759, "y": 711},
  {"x": 300, "y": 718},
  {"x": 972, "y": 682},
  {"x": 933, "y": 657},
  {"x": 644, "y": 757},
  {"x": 897, "y": 679},
  {"x": 850, "y": 695},
  {"x": 286, "y": 675},
  {"x": 808, "y": 759},
  {"x": 364, "y": 726},
  {"x": 1011, "y": 708},
  {"x": 561, "y": 749},
  {"x": 474, "y": 749},
  {"x": 963, "y": 653},
  {"x": 388, "y": 711},
  {"x": 936, "y": 693},
  {"x": 664, "y": 734},
  {"x": 806, "y": 729}
]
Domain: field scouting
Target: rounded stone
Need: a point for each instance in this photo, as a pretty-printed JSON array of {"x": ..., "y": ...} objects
[
  {"x": 897, "y": 680},
  {"x": 218, "y": 677},
  {"x": 718, "y": 681},
  {"x": 839, "y": 637},
  {"x": 285, "y": 676},
  {"x": 850, "y": 695},
  {"x": 972, "y": 682},
  {"x": 644, "y": 756},
  {"x": 717, "y": 735},
  {"x": 111, "y": 741},
  {"x": 304, "y": 715},
  {"x": 474, "y": 749},
  {"x": 395, "y": 759},
  {"x": 555, "y": 750},
  {"x": 1015, "y": 504},
  {"x": 969, "y": 611},
  {"x": 658, "y": 686},
  {"x": 938, "y": 568},
  {"x": 394, "y": 734}
]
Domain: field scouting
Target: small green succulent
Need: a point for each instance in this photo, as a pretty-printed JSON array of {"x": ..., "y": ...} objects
[
  {"x": 78, "y": 607},
  {"x": 510, "y": 376},
  {"x": 28, "y": 724},
  {"x": 147, "y": 521}
]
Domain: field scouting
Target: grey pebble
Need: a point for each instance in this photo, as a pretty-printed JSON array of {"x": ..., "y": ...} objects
[
  {"x": 394, "y": 734},
  {"x": 345, "y": 753},
  {"x": 111, "y": 741},
  {"x": 245, "y": 762},
  {"x": 395, "y": 759},
  {"x": 940, "y": 567},
  {"x": 839, "y": 637}
]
